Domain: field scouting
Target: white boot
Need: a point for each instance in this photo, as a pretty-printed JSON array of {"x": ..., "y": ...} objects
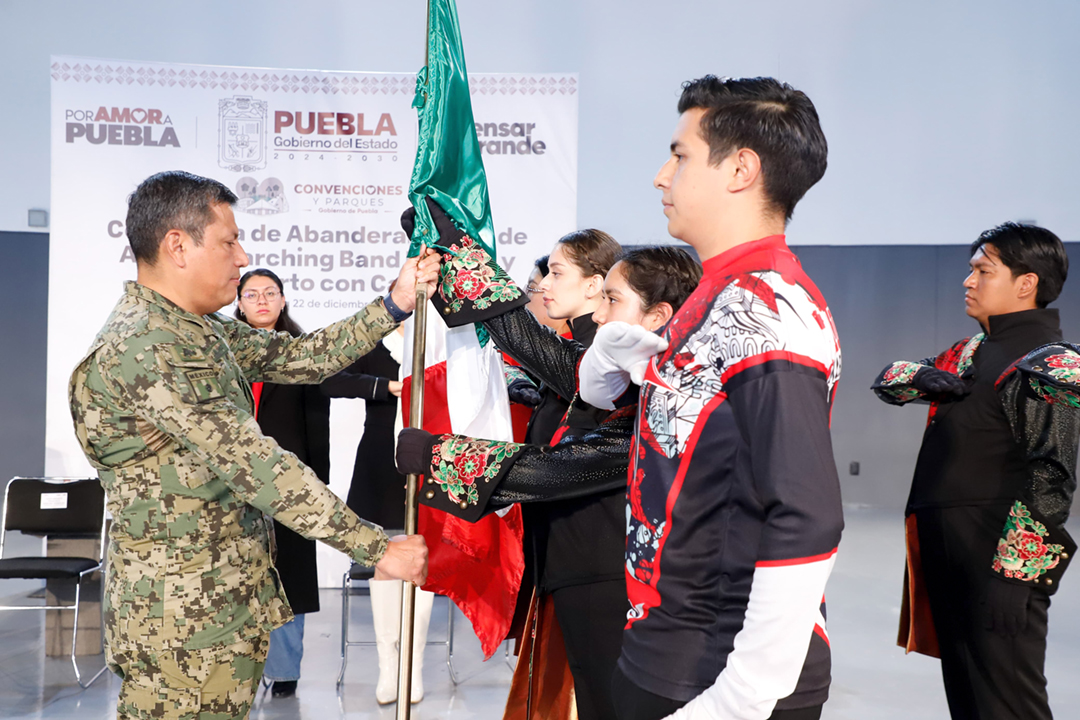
[
  {"x": 421, "y": 618},
  {"x": 386, "y": 611}
]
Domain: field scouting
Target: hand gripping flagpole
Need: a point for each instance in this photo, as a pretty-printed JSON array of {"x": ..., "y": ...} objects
[{"x": 416, "y": 420}]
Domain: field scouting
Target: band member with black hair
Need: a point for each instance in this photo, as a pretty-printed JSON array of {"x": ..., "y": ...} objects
[
  {"x": 994, "y": 481},
  {"x": 734, "y": 513}
]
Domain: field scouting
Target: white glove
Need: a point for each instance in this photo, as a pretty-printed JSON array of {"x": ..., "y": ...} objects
[{"x": 620, "y": 353}]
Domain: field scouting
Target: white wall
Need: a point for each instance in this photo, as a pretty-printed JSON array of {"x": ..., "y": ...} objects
[{"x": 943, "y": 117}]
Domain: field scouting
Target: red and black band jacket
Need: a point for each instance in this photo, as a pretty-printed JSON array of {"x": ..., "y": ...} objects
[{"x": 734, "y": 512}]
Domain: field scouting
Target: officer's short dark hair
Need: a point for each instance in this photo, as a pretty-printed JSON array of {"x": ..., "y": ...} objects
[
  {"x": 1030, "y": 249},
  {"x": 771, "y": 118},
  {"x": 173, "y": 200}
]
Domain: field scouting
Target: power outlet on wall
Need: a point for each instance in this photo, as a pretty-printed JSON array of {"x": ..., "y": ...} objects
[{"x": 853, "y": 468}]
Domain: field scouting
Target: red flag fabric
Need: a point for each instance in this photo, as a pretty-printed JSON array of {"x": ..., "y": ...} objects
[{"x": 477, "y": 565}]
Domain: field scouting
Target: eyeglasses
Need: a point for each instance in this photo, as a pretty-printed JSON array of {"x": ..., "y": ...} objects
[
  {"x": 269, "y": 295},
  {"x": 531, "y": 290}
]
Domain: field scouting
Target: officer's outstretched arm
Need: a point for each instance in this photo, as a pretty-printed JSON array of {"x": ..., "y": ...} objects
[
  {"x": 185, "y": 402},
  {"x": 278, "y": 357},
  {"x": 311, "y": 358}
]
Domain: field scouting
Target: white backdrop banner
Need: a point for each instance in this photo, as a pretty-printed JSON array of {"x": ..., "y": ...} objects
[{"x": 321, "y": 164}]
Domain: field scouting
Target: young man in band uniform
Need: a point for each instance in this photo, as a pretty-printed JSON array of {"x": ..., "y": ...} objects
[{"x": 733, "y": 505}]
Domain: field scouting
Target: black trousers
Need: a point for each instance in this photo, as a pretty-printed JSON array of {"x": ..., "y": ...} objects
[
  {"x": 634, "y": 703},
  {"x": 988, "y": 675},
  {"x": 592, "y": 618}
]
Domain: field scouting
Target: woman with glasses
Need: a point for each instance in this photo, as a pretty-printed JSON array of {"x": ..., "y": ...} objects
[{"x": 298, "y": 417}]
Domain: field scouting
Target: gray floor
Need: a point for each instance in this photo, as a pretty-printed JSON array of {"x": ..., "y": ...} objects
[{"x": 872, "y": 677}]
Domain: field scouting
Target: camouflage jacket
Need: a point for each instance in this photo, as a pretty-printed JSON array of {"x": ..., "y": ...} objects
[{"x": 162, "y": 409}]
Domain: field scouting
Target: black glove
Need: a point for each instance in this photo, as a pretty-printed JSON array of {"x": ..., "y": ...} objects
[
  {"x": 523, "y": 392},
  {"x": 448, "y": 232},
  {"x": 413, "y": 455},
  {"x": 938, "y": 382},
  {"x": 1006, "y": 607}
]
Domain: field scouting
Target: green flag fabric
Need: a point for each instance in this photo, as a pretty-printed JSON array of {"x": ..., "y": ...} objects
[{"x": 448, "y": 166}]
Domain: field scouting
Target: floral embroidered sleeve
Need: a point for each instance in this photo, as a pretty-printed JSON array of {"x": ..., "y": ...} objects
[
  {"x": 471, "y": 478},
  {"x": 474, "y": 289},
  {"x": 472, "y": 286},
  {"x": 1026, "y": 551},
  {"x": 463, "y": 472},
  {"x": 896, "y": 384},
  {"x": 515, "y": 374},
  {"x": 1053, "y": 373},
  {"x": 1034, "y": 546}
]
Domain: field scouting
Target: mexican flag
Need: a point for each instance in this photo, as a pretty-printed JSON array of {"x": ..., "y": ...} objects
[{"x": 478, "y": 565}]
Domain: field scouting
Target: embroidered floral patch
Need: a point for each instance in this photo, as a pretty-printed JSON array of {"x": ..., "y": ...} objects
[
  {"x": 1065, "y": 367},
  {"x": 514, "y": 373},
  {"x": 1023, "y": 552},
  {"x": 968, "y": 353},
  {"x": 469, "y": 274},
  {"x": 901, "y": 374},
  {"x": 1055, "y": 395},
  {"x": 457, "y": 463}
]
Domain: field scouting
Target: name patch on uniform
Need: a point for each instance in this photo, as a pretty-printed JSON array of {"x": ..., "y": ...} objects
[{"x": 188, "y": 354}]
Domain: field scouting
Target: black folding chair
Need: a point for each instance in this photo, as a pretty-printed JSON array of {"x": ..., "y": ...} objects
[{"x": 55, "y": 508}]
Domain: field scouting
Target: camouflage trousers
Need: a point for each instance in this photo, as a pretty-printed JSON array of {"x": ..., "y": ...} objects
[{"x": 217, "y": 683}]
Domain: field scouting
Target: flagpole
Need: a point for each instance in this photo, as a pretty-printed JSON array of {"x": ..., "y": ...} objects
[
  {"x": 412, "y": 481},
  {"x": 416, "y": 420}
]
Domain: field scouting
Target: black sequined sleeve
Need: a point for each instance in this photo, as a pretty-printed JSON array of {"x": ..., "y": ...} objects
[
  {"x": 574, "y": 468},
  {"x": 1034, "y": 546},
  {"x": 539, "y": 349},
  {"x": 471, "y": 478},
  {"x": 1048, "y": 434}
]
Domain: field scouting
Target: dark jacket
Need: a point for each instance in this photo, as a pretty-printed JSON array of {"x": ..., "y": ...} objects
[
  {"x": 1000, "y": 448},
  {"x": 377, "y": 492},
  {"x": 298, "y": 417},
  {"x": 733, "y": 500},
  {"x": 549, "y": 414},
  {"x": 574, "y": 541},
  {"x": 581, "y": 539},
  {"x": 572, "y": 537}
]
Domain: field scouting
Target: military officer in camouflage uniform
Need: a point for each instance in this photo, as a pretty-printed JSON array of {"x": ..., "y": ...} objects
[{"x": 163, "y": 410}]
